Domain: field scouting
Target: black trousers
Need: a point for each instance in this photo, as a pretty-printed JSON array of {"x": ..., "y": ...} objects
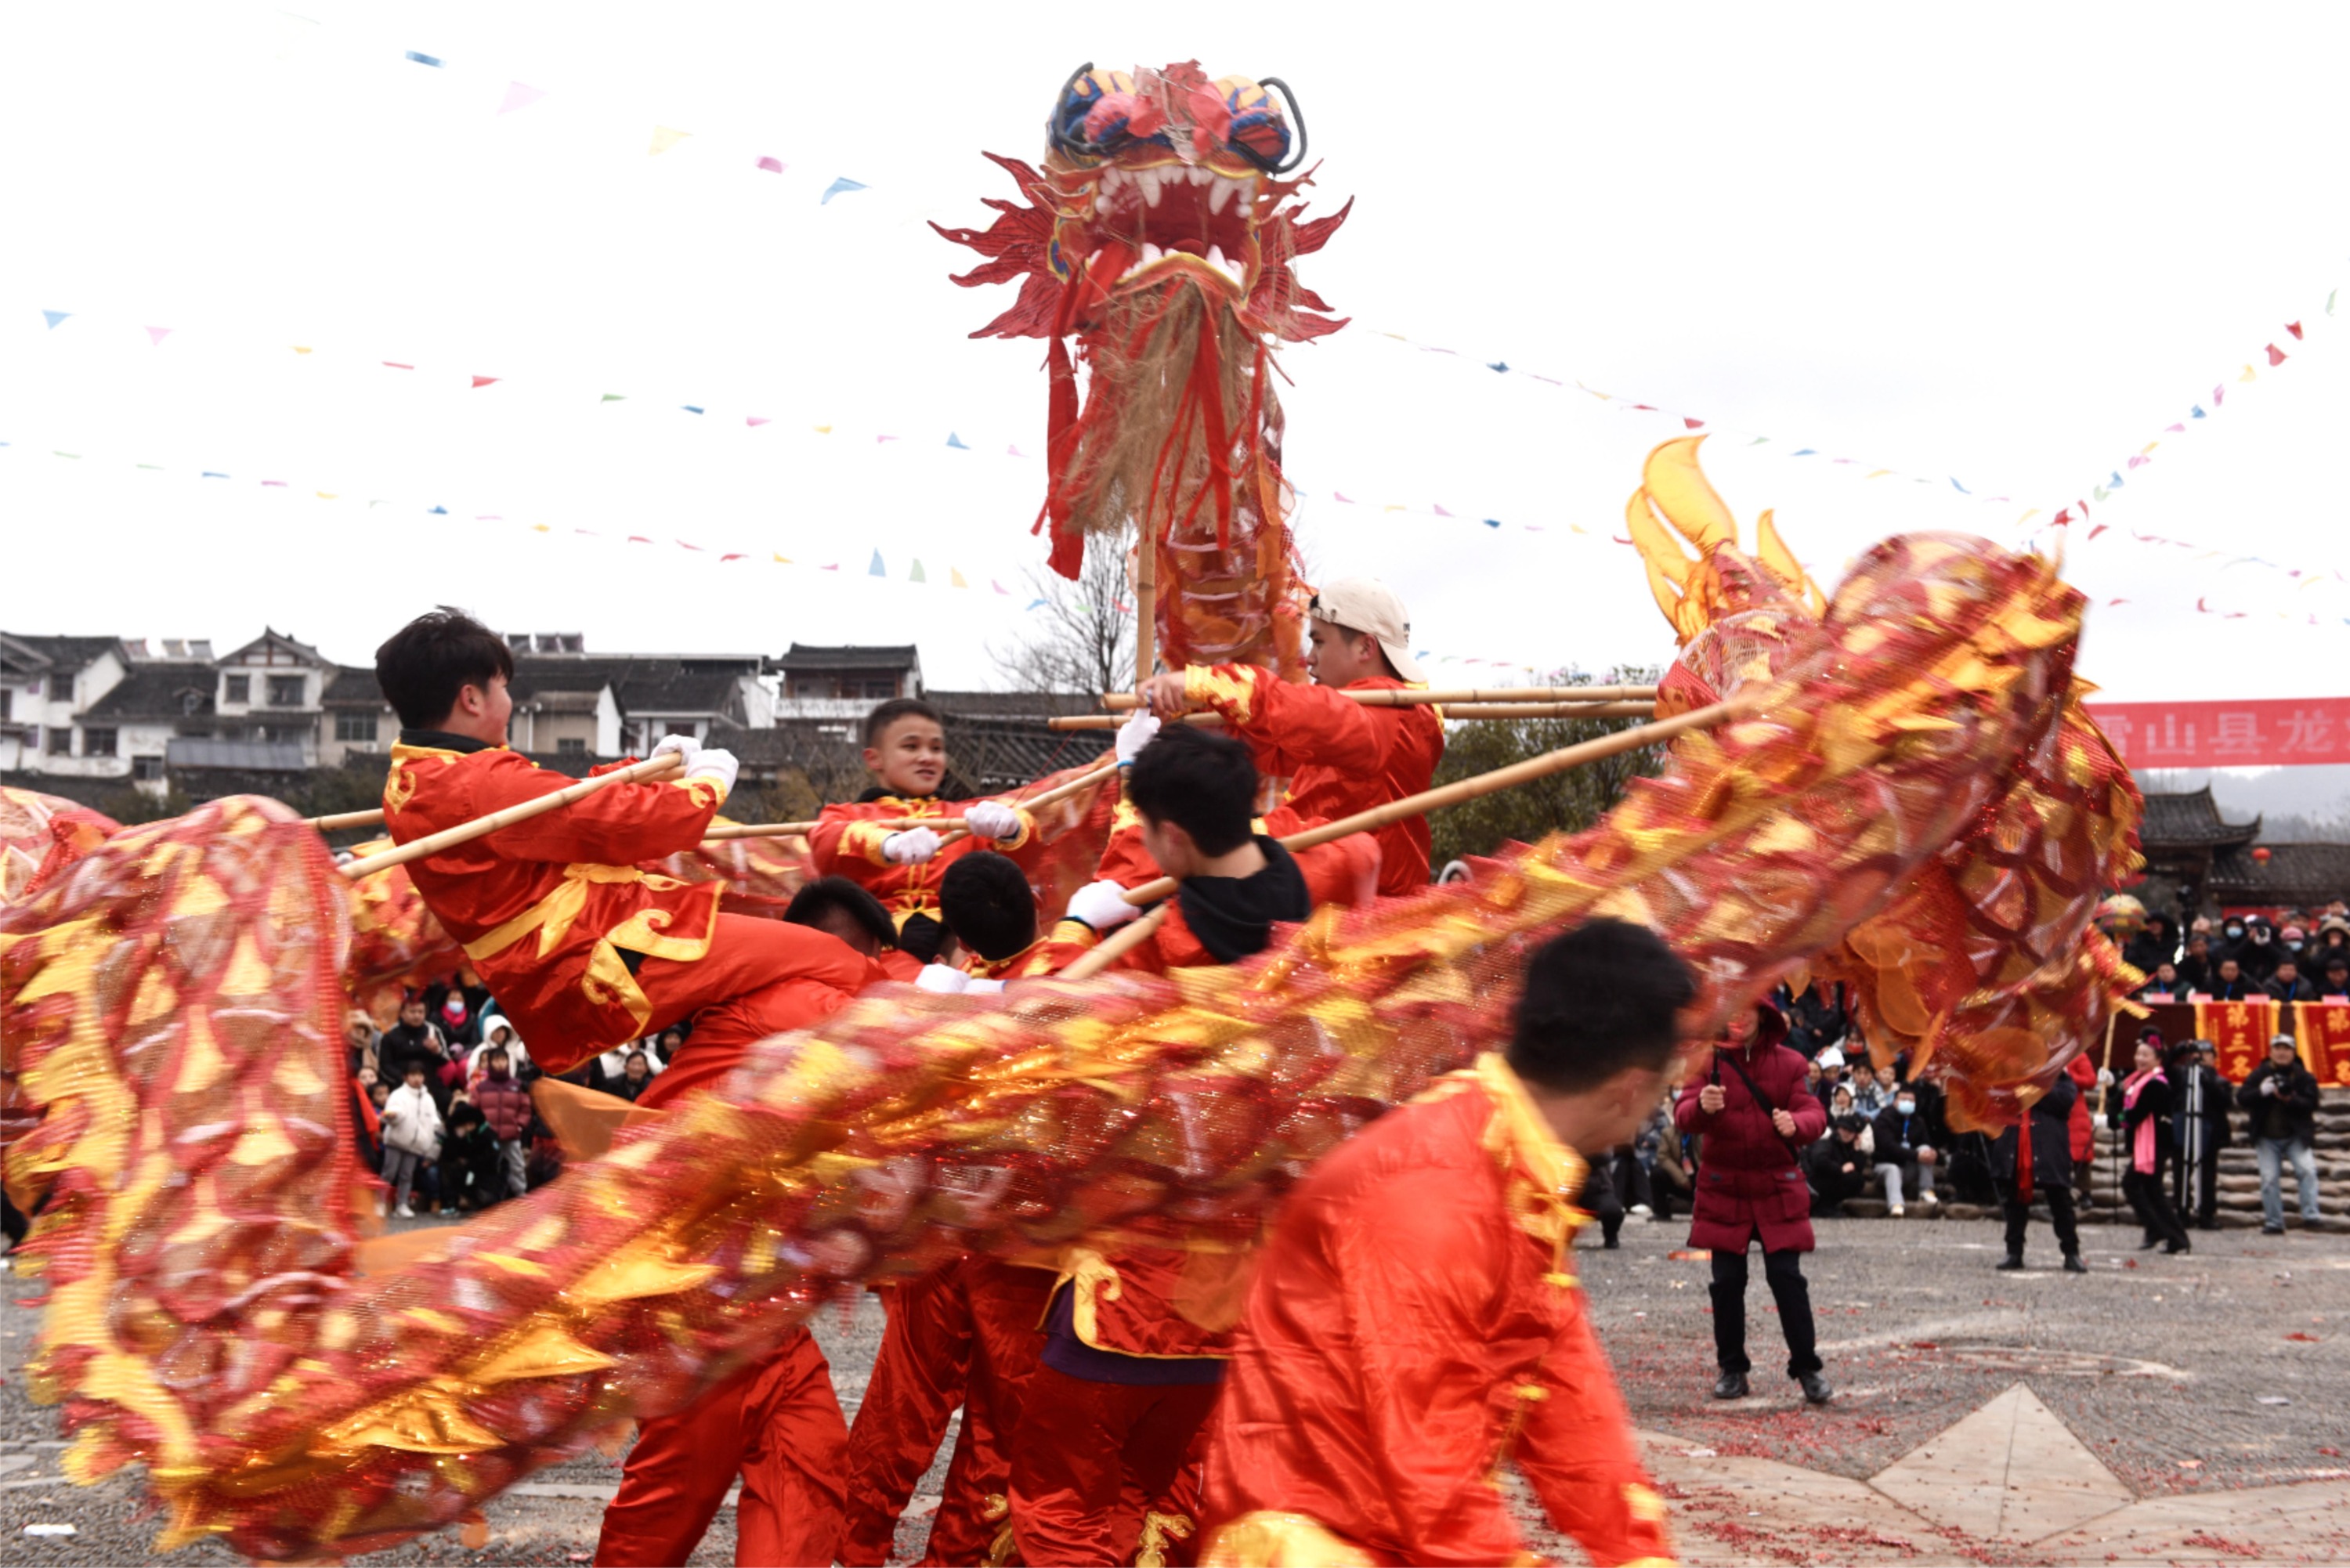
[
  {"x": 2060, "y": 1214},
  {"x": 2195, "y": 1189},
  {"x": 1783, "y": 1271},
  {"x": 2143, "y": 1190}
]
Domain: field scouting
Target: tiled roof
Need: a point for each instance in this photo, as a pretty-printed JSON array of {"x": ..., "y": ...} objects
[
  {"x": 2191, "y": 818},
  {"x": 68, "y": 654},
  {"x": 156, "y": 691},
  {"x": 1012, "y": 704},
  {"x": 806, "y": 656},
  {"x": 353, "y": 688},
  {"x": 250, "y": 756},
  {"x": 658, "y": 683},
  {"x": 2298, "y": 874}
]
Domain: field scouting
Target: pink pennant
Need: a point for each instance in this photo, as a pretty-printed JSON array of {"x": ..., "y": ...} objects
[
  {"x": 2202, "y": 608},
  {"x": 1344, "y": 496},
  {"x": 2294, "y": 327},
  {"x": 684, "y": 545},
  {"x": 2062, "y": 519},
  {"x": 2099, "y": 529},
  {"x": 1440, "y": 510},
  {"x": 2139, "y": 462},
  {"x": 755, "y": 421},
  {"x": 834, "y": 568},
  {"x": 639, "y": 539},
  {"x": 2174, "y": 429},
  {"x": 999, "y": 587},
  {"x": 2111, "y": 603},
  {"x": 1553, "y": 380},
  {"x": 2219, "y": 396},
  {"x": 279, "y": 483},
  {"x": 589, "y": 531},
  {"x": 723, "y": 559},
  {"x": 1647, "y": 408},
  {"x": 155, "y": 335},
  {"x": 1618, "y": 539},
  {"x": 395, "y": 365},
  {"x": 488, "y": 517},
  {"x": 485, "y": 381},
  {"x": 2276, "y": 354},
  {"x": 879, "y": 439},
  {"x": 1694, "y": 424},
  {"x": 518, "y": 96},
  {"x": 774, "y": 165}
]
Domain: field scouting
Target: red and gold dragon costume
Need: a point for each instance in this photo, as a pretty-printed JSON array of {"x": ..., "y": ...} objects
[
  {"x": 1986, "y": 968},
  {"x": 175, "y": 1001},
  {"x": 1161, "y": 234}
]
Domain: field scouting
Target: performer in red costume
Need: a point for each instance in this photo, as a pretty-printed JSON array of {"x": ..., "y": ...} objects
[
  {"x": 1340, "y": 756},
  {"x": 906, "y": 753},
  {"x": 586, "y": 951},
  {"x": 1415, "y": 1320}
]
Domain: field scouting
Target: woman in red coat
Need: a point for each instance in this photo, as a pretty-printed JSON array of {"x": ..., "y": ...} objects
[{"x": 1755, "y": 1117}]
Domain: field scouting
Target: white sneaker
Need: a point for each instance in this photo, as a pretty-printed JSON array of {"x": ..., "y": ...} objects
[
  {"x": 405, "y": 1212},
  {"x": 382, "y": 1208},
  {"x": 1897, "y": 1211},
  {"x": 1642, "y": 1210},
  {"x": 1928, "y": 1199}
]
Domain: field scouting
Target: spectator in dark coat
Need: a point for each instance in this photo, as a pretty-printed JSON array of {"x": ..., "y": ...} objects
[
  {"x": 413, "y": 1039},
  {"x": 2289, "y": 986},
  {"x": 2335, "y": 979},
  {"x": 2200, "y": 1128},
  {"x": 2196, "y": 970},
  {"x": 505, "y": 1107},
  {"x": 2231, "y": 984},
  {"x": 2281, "y": 1098},
  {"x": 2046, "y": 1172},
  {"x": 1907, "y": 1152},
  {"x": 1836, "y": 1167},
  {"x": 2141, "y": 1112},
  {"x": 1816, "y": 1019},
  {"x": 1756, "y": 1117},
  {"x": 2258, "y": 951},
  {"x": 636, "y": 1077},
  {"x": 470, "y": 1175}
]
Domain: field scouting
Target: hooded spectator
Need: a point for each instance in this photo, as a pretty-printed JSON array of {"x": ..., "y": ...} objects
[
  {"x": 497, "y": 1031},
  {"x": 1836, "y": 1167},
  {"x": 456, "y": 1022},
  {"x": 505, "y": 1105},
  {"x": 470, "y": 1174},
  {"x": 2332, "y": 940},
  {"x": 412, "y": 1134},
  {"x": 2162, "y": 985},
  {"x": 2149, "y": 945}
]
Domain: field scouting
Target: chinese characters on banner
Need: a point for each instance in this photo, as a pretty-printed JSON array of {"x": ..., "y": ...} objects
[
  {"x": 2323, "y": 1029},
  {"x": 2264, "y": 733},
  {"x": 2241, "y": 1030}
]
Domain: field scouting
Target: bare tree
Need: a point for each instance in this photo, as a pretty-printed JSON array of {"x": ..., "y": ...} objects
[{"x": 1077, "y": 636}]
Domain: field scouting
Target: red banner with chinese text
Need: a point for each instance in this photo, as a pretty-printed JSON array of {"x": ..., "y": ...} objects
[
  {"x": 2241, "y": 1030},
  {"x": 2323, "y": 1029},
  {"x": 2263, "y": 733}
]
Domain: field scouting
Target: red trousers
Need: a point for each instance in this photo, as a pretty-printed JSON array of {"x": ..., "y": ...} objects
[
  {"x": 1086, "y": 1456},
  {"x": 759, "y": 978},
  {"x": 963, "y": 1333},
  {"x": 775, "y": 1423}
]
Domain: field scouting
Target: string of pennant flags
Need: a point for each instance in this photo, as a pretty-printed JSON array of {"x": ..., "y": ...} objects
[{"x": 469, "y": 382}]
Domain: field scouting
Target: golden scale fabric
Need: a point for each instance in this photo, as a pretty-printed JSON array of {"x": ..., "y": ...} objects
[{"x": 174, "y": 1004}]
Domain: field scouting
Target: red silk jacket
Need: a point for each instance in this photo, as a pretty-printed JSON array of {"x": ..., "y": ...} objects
[
  {"x": 847, "y": 842},
  {"x": 1339, "y": 756},
  {"x": 1413, "y": 1321},
  {"x": 543, "y": 908}
]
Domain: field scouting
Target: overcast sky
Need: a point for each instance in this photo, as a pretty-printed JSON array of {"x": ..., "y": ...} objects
[{"x": 2003, "y": 244}]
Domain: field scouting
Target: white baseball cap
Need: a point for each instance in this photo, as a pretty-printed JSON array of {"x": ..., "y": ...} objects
[{"x": 1369, "y": 605}]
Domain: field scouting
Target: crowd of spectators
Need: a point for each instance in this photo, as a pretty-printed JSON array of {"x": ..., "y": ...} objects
[
  {"x": 2298, "y": 956},
  {"x": 444, "y": 1106}
]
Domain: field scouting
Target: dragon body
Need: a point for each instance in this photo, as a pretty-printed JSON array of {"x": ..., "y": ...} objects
[
  {"x": 215, "y": 1316},
  {"x": 1160, "y": 236}
]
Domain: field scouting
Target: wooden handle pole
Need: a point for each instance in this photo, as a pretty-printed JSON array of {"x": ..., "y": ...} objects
[
  {"x": 1383, "y": 697},
  {"x": 1117, "y": 944},
  {"x": 1627, "y": 709},
  {"x": 1053, "y": 797},
  {"x": 346, "y": 819},
  {"x": 658, "y": 767},
  {"x": 1484, "y": 784},
  {"x": 726, "y": 830},
  {"x": 1145, "y": 606}
]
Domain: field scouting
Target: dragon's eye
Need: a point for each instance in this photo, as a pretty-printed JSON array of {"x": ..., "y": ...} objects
[{"x": 1260, "y": 132}]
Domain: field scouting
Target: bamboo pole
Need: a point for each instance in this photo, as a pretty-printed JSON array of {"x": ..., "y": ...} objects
[
  {"x": 1153, "y": 892},
  {"x": 1117, "y": 945},
  {"x": 727, "y": 830},
  {"x": 1053, "y": 797},
  {"x": 465, "y": 832},
  {"x": 1145, "y": 606},
  {"x": 342, "y": 819},
  {"x": 1628, "y": 710},
  {"x": 1394, "y": 697}
]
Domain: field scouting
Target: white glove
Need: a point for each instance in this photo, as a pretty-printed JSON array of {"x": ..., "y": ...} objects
[
  {"x": 686, "y": 747},
  {"x": 1101, "y": 905},
  {"x": 992, "y": 819},
  {"x": 718, "y": 766},
  {"x": 1136, "y": 734},
  {"x": 942, "y": 978},
  {"x": 912, "y": 847},
  {"x": 2104, "y": 1077},
  {"x": 2268, "y": 1085}
]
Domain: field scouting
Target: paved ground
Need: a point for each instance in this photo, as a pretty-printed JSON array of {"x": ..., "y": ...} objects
[{"x": 2130, "y": 1416}]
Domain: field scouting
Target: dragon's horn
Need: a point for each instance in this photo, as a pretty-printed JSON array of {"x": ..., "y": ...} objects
[
  {"x": 1678, "y": 489},
  {"x": 1780, "y": 563}
]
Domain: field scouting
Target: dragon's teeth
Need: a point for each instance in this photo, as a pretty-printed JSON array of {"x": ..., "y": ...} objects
[
  {"x": 1216, "y": 259},
  {"x": 1219, "y": 192},
  {"x": 1148, "y": 179},
  {"x": 1151, "y": 254}
]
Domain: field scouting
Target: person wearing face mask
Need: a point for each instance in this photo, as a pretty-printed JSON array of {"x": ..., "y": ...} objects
[
  {"x": 1906, "y": 1155},
  {"x": 2234, "y": 936},
  {"x": 2260, "y": 950}
]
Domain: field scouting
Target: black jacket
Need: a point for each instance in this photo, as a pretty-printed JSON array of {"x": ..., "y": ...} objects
[
  {"x": 2291, "y": 1112},
  {"x": 2302, "y": 989},
  {"x": 2051, "y": 1139},
  {"x": 2217, "y": 1132},
  {"x": 2156, "y": 1100},
  {"x": 1898, "y": 1136},
  {"x": 1824, "y": 1165}
]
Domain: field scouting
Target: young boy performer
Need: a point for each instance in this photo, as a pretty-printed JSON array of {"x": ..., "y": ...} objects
[
  {"x": 1414, "y": 1319},
  {"x": 584, "y": 950},
  {"x": 1126, "y": 1376},
  {"x": 906, "y": 753},
  {"x": 966, "y": 1333},
  {"x": 1191, "y": 792},
  {"x": 1339, "y": 755},
  {"x": 587, "y": 952}
]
